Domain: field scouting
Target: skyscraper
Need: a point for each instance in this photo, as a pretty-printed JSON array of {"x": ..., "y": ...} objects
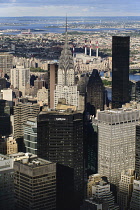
[
  {"x": 22, "y": 112},
  {"x": 95, "y": 93},
  {"x": 60, "y": 139},
  {"x": 52, "y": 81},
  {"x": 66, "y": 87},
  {"x": 5, "y": 127},
  {"x": 35, "y": 184},
  {"x": 120, "y": 70},
  {"x": 116, "y": 142},
  {"x": 137, "y": 153},
  {"x": 6, "y": 183},
  {"x": 6, "y": 62},
  {"x": 20, "y": 77},
  {"x": 30, "y": 135}
]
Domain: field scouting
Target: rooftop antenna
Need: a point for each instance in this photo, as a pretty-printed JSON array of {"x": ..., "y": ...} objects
[
  {"x": 66, "y": 23},
  {"x": 66, "y": 32}
]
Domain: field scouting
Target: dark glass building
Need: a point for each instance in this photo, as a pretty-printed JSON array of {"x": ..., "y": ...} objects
[
  {"x": 120, "y": 70},
  {"x": 137, "y": 159},
  {"x": 135, "y": 91},
  {"x": 90, "y": 147},
  {"x": 95, "y": 93},
  {"x": 34, "y": 184},
  {"x": 60, "y": 140},
  {"x": 5, "y": 125}
]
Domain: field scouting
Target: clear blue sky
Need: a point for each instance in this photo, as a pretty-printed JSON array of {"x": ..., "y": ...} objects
[{"x": 13, "y": 8}]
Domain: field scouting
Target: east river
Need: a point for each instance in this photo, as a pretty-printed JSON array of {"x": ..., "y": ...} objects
[{"x": 132, "y": 77}]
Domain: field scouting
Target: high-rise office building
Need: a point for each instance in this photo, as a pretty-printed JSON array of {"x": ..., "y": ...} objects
[
  {"x": 5, "y": 127},
  {"x": 66, "y": 87},
  {"x": 6, "y": 62},
  {"x": 116, "y": 142},
  {"x": 23, "y": 111},
  {"x": 35, "y": 184},
  {"x": 125, "y": 189},
  {"x": 30, "y": 135},
  {"x": 95, "y": 93},
  {"x": 6, "y": 183},
  {"x": 120, "y": 70},
  {"x": 137, "y": 153},
  {"x": 20, "y": 77},
  {"x": 60, "y": 139},
  {"x": 52, "y": 81},
  {"x": 90, "y": 146},
  {"x": 135, "y": 199}
]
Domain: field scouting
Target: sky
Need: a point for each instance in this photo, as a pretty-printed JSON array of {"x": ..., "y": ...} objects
[{"x": 17, "y": 8}]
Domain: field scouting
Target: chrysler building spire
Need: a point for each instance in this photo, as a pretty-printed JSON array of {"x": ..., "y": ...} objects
[
  {"x": 66, "y": 62},
  {"x": 66, "y": 87}
]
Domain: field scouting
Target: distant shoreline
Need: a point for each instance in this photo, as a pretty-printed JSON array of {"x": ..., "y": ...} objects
[{"x": 137, "y": 74}]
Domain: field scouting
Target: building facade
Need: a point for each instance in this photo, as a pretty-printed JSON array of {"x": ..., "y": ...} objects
[
  {"x": 23, "y": 111},
  {"x": 6, "y": 183},
  {"x": 35, "y": 184},
  {"x": 60, "y": 139},
  {"x": 20, "y": 77},
  {"x": 99, "y": 194},
  {"x": 135, "y": 199},
  {"x": 116, "y": 142},
  {"x": 95, "y": 93},
  {"x": 42, "y": 96},
  {"x": 6, "y": 62},
  {"x": 30, "y": 135},
  {"x": 120, "y": 70},
  {"x": 137, "y": 153},
  {"x": 66, "y": 87},
  {"x": 52, "y": 81},
  {"x": 8, "y": 145},
  {"x": 125, "y": 189},
  {"x": 5, "y": 127}
]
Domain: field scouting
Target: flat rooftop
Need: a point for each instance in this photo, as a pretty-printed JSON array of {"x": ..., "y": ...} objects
[
  {"x": 32, "y": 160},
  {"x": 3, "y": 157}
]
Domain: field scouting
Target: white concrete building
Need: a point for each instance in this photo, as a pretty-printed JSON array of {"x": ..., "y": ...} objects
[
  {"x": 66, "y": 87},
  {"x": 116, "y": 142},
  {"x": 20, "y": 77},
  {"x": 6, "y": 62}
]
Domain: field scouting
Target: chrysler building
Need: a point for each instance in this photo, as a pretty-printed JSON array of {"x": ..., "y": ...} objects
[{"x": 66, "y": 87}]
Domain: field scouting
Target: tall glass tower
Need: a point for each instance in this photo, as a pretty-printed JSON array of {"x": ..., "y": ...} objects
[{"x": 120, "y": 70}]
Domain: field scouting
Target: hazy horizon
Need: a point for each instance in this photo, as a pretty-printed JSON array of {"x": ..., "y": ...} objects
[{"x": 17, "y": 8}]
